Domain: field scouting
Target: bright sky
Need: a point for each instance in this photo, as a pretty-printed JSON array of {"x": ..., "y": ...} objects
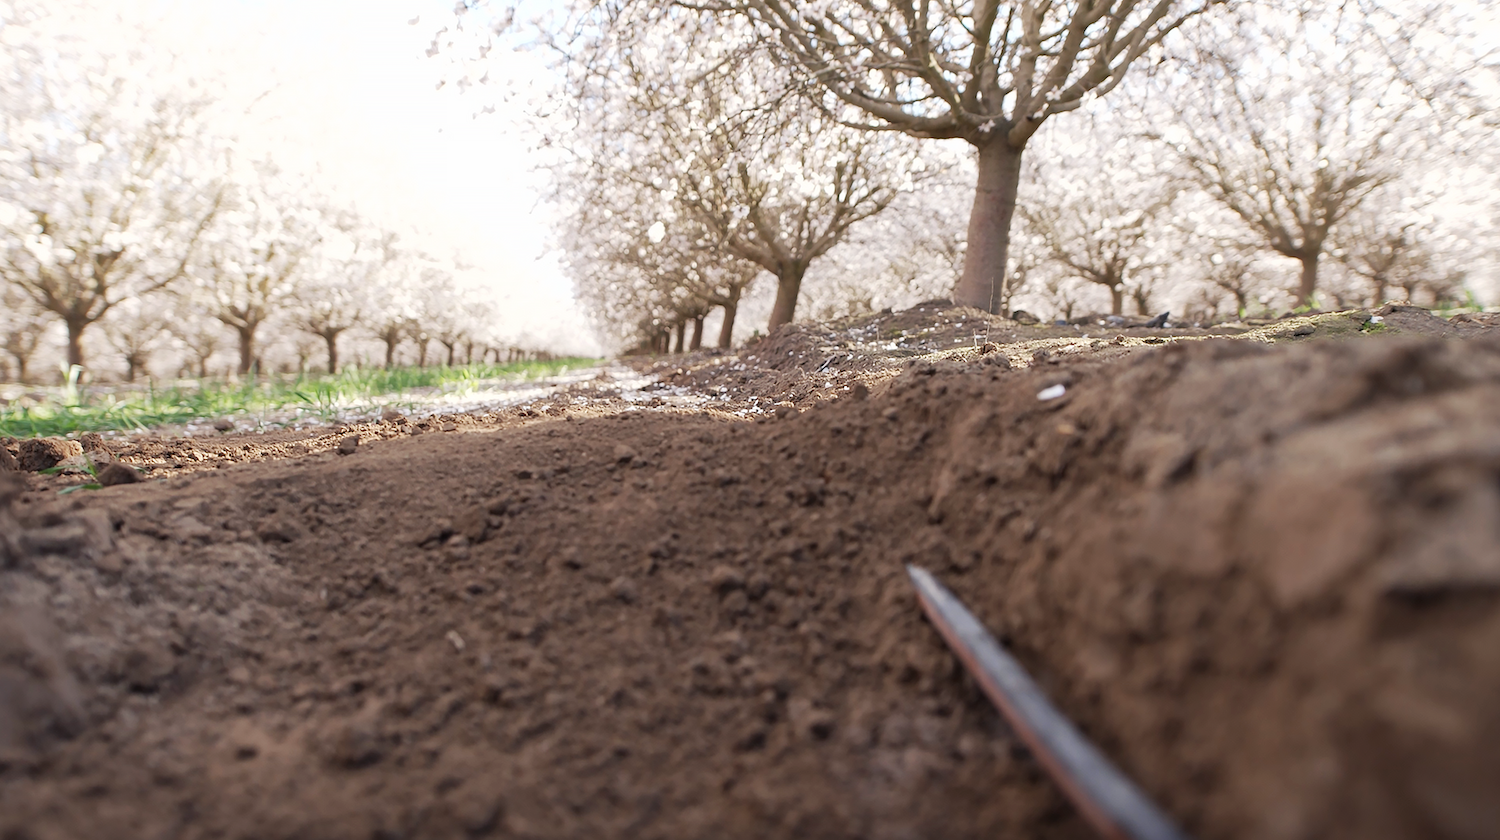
[{"x": 354, "y": 95}]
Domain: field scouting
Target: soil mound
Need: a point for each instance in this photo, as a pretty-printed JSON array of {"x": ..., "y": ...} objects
[{"x": 1264, "y": 578}]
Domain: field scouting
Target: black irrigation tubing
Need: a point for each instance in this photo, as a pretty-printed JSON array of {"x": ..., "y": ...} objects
[{"x": 1107, "y": 799}]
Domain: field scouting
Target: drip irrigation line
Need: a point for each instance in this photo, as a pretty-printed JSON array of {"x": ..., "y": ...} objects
[{"x": 1115, "y": 807}]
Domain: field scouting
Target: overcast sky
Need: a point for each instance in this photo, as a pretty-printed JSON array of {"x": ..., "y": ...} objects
[{"x": 354, "y": 96}]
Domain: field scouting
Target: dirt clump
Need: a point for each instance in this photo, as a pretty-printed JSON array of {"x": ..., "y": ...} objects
[
  {"x": 44, "y": 453},
  {"x": 115, "y": 474},
  {"x": 1261, "y": 577}
]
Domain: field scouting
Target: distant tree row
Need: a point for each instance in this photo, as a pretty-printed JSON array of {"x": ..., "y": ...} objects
[
  {"x": 124, "y": 214},
  {"x": 1117, "y": 155}
]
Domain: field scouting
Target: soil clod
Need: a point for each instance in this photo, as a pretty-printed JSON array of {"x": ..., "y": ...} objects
[
  {"x": 115, "y": 474},
  {"x": 44, "y": 453}
]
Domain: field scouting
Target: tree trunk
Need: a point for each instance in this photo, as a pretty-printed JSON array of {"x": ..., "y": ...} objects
[
  {"x": 422, "y": 351},
  {"x": 788, "y": 287},
  {"x": 132, "y": 367},
  {"x": 452, "y": 350},
  {"x": 75, "y": 341},
  {"x": 332, "y": 340},
  {"x": 1142, "y": 302},
  {"x": 1309, "y": 283},
  {"x": 21, "y": 369},
  {"x": 390, "y": 351},
  {"x": 1379, "y": 297},
  {"x": 247, "y": 348},
  {"x": 989, "y": 227},
  {"x": 697, "y": 342},
  {"x": 1117, "y": 299},
  {"x": 681, "y": 332},
  {"x": 726, "y": 330}
]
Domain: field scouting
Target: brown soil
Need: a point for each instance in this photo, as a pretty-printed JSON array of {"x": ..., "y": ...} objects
[{"x": 1263, "y": 576}]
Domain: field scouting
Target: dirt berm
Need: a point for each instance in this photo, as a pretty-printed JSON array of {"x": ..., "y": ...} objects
[{"x": 1265, "y": 578}]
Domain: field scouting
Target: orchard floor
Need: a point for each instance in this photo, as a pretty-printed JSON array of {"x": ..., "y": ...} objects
[{"x": 1262, "y": 572}]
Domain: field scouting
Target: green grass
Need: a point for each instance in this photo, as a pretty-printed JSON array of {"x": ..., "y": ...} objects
[{"x": 76, "y": 410}]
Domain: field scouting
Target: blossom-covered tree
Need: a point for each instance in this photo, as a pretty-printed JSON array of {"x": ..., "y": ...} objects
[
  {"x": 335, "y": 296},
  {"x": 23, "y": 326},
  {"x": 678, "y": 103},
  {"x": 989, "y": 73},
  {"x": 1292, "y": 119},
  {"x": 135, "y": 331},
  {"x": 1104, "y": 230},
  {"x": 108, "y": 183},
  {"x": 248, "y": 267}
]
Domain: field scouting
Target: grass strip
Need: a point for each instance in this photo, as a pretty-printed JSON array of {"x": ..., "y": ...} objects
[{"x": 75, "y": 410}]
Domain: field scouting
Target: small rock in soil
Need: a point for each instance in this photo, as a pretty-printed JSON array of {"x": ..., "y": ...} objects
[
  {"x": 623, "y": 589},
  {"x": 117, "y": 473},
  {"x": 724, "y": 579},
  {"x": 279, "y": 530},
  {"x": 391, "y": 415},
  {"x": 472, "y": 523},
  {"x": 93, "y": 442},
  {"x": 348, "y": 445},
  {"x": 8, "y": 461},
  {"x": 449, "y": 427},
  {"x": 624, "y": 454},
  {"x": 355, "y": 745},
  {"x": 147, "y": 666},
  {"x": 224, "y": 424},
  {"x": 807, "y": 720},
  {"x": 860, "y": 391},
  {"x": 45, "y": 453}
]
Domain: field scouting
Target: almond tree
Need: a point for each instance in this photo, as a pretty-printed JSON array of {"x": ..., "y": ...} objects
[
  {"x": 433, "y": 309},
  {"x": 678, "y": 102},
  {"x": 202, "y": 337},
  {"x": 107, "y": 185},
  {"x": 1291, "y": 121},
  {"x": 639, "y": 275},
  {"x": 442, "y": 310},
  {"x": 913, "y": 251},
  {"x": 1233, "y": 270},
  {"x": 135, "y": 331},
  {"x": 248, "y": 268},
  {"x": 22, "y": 328},
  {"x": 985, "y": 72},
  {"x": 1103, "y": 230},
  {"x": 335, "y": 297},
  {"x": 395, "y": 310}
]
